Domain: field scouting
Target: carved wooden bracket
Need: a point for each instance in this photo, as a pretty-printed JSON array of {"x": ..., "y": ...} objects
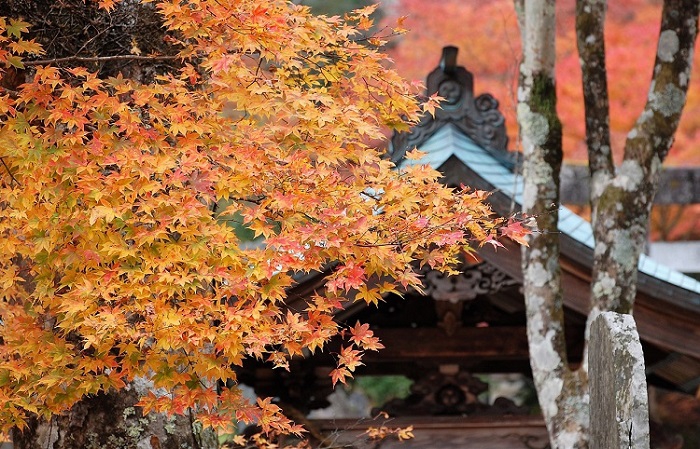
[
  {"x": 474, "y": 280},
  {"x": 451, "y": 292},
  {"x": 449, "y": 391}
]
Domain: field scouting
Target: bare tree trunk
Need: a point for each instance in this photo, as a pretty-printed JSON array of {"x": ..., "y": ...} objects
[
  {"x": 562, "y": 393},
  {"x": 113, "y": 421},
  {"x": 621, "y": 201}
]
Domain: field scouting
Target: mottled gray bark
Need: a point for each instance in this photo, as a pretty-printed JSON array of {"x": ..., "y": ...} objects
[
  {"x": 622, "y": 203},
  {"x": 113, "y": 421},
  {"x": 621, "y": 200},
  {"x": 560, "y": 391},
  {"x": 590, "y": 20}
]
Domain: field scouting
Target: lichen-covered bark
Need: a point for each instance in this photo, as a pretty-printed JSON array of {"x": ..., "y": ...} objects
[
  {"x": 590, "y": 19},
  {"x": 561, "y": 392},
  {"x": 113, "y": 421},
  {"x": 622, "y": 203},
  {"x": 621, "y": 200}
]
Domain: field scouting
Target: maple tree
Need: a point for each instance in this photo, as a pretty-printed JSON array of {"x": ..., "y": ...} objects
[{"x": 118, "y": 258}]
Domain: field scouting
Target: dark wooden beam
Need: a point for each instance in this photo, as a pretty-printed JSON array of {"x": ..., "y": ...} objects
[
  {"x": 433, "y": 344},
  {"x": 680, "y": 370},
  {"x": 666, "y": 315},
  {"x": 438, "y": 422},
  {"x": 454, "y": 432}
]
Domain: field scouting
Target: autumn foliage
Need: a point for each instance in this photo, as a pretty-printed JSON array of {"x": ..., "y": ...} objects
[
  {"x": 120, "y": 200},
  {"x": 487, "y": 34}
]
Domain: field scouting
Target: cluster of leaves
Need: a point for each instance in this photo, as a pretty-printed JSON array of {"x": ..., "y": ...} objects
[
  {"x": 115, "y": 261},
  {"x": 362, "y": 338},
  {"x": 384, "y": 432},
  {"x": 377, "y": 432}
]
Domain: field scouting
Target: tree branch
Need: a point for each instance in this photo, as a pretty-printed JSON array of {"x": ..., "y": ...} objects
[
  {"x": 621, "y": 218},
  {"x": 653, "y": 132},
  {"x": 590, "y": 37},
  {"x": 560, "y": 390},
  {"x": 151, "y": 58},
  {"x": 9, "y": 172}
]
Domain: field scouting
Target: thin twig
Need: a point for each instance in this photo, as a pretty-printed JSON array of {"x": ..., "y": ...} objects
[
  {"x": 100, "y": 59},
  {"x": 9, "y": 172}
]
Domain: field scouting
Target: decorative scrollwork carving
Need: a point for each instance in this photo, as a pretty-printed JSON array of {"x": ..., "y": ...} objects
[
  {"x": 486, "y": 103},
  {"x": 449, "y": 392},
  {"x": 478, "y": 118},
  {"x": 451, "y": 91},
  {"x": 480, "y": 279}
]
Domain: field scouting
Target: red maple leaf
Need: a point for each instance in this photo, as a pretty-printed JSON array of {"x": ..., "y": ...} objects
[
  {"x": 363, "y": 337},
  {"x": 516, "y": 232}
]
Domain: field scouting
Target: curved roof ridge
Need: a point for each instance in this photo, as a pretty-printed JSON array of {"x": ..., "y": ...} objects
[{"x": 449, "y": 141}]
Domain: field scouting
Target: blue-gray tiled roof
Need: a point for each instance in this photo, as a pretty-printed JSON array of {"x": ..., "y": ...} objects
[{"x": 448, "y": 141}]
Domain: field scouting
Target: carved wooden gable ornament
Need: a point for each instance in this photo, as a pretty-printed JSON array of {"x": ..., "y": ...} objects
[{"x": 475, "y": 117}]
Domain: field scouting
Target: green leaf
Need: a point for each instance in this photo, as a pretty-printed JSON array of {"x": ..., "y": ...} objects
[
  {"x": 17, "y": 27},
  {"x": 15, "y": 61},
  {"x": 4, "y": 377}
]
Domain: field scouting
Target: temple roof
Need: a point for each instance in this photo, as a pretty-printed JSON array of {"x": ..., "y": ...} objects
[
  {"x": 475, "y": 322},
  {"x": 449, "y": 141},
  {"x": 466, "y": 140}
]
